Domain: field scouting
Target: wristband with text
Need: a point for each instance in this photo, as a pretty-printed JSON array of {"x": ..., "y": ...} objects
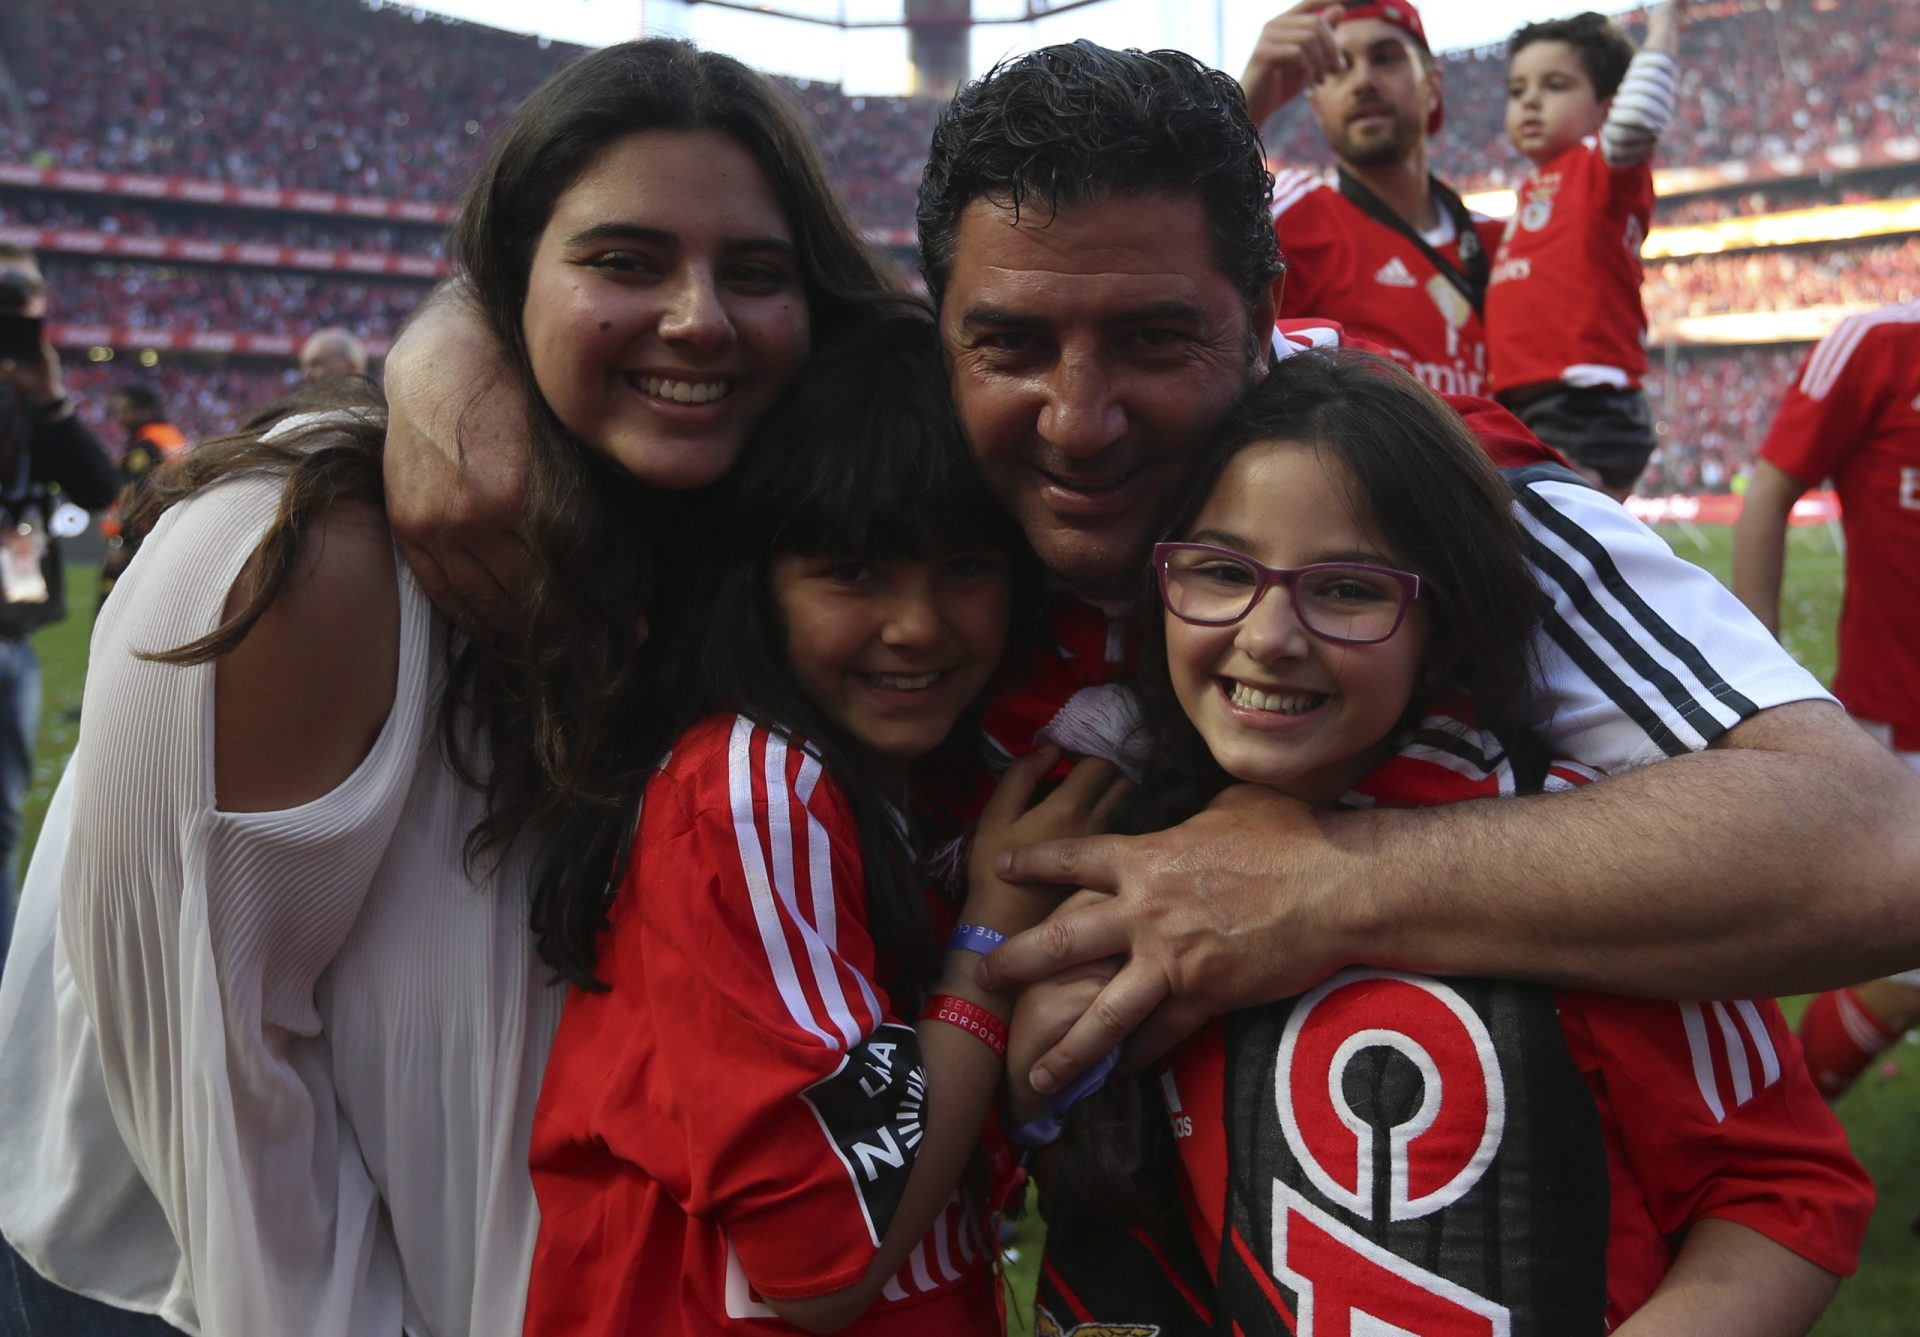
[
  {"x": 974, "y": 938},
  {"x": 970, "y": 1017}
]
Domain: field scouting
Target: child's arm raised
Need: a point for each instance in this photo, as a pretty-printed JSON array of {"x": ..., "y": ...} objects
[
  {"x": 1643, "y": 105},
  {"x": 962, "y": 1070},
  {"x": 1730, "y": 1281}
]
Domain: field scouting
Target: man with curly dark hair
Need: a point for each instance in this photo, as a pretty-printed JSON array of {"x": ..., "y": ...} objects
[{"x": 1090, "y": 228}]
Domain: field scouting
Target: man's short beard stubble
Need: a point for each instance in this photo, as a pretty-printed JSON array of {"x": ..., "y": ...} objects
[{"x": 1376, "y": 151}]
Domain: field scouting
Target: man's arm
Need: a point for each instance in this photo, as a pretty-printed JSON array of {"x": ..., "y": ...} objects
[
  {"x": 64, "y": 449},
  {"x": 1760, "y": 541},
  {"x": 1782, "y": 859},
  {"x": 456, "y": 463}
]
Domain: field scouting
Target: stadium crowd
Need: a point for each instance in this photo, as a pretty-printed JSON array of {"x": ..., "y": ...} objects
[
  {"x": 115, "y": 216},
  {"x": 204, "y": 399},
  {"x": 1712, "y": 409},
  {"x": 290, "y": 1156},
  {"x": 142, "y": 296},
  {"x": 1783, "y": 280},
  {"x": 211, "y": 91}
]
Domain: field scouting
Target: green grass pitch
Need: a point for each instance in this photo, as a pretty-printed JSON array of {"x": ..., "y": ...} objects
[{"x": 1882, "y": 1114}]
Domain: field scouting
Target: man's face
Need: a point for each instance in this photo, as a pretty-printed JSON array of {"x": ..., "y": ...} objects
[
  {"x": 1375, "y": 112},
  {"x": 1091, "y": 351}
]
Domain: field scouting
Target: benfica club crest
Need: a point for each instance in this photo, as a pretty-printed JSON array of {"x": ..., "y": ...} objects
[
  {"x": 1537, "y": 212},
  {"x": 1411, "y": 1155}
]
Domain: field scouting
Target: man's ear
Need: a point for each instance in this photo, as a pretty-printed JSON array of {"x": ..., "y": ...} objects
[{"x": 1260, "y": 322}]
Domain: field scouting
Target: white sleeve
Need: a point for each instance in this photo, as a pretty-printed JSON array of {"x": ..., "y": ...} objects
[
  {"x": 1643, "y": 107},
  {"x": 196, "y": 938},
  {"x": 1642, "y": 655}
]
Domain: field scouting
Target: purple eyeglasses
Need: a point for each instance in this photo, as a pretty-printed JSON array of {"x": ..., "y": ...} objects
[{"x": 1353, "y": 603}]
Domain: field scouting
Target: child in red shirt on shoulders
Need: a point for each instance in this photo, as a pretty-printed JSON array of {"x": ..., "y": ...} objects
[{"x": 1566, "y": 334}]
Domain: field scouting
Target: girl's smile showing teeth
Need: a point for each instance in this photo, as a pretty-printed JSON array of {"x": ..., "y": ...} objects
[
  {"x": 1278, "y": 703},
  {"x": 904, "y": 682},
  {"x": 680, "y": 392}
]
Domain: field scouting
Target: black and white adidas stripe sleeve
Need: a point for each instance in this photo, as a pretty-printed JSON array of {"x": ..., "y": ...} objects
[
  {"x": 1642, "y": 108},
  {"x": 1642, "y": 655}
]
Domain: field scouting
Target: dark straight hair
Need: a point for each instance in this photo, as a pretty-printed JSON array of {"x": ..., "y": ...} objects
[{"x": 863, "y": 458}]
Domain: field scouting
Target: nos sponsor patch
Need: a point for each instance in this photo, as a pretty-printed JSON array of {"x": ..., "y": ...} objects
[{"x": 871, "y": 1108}]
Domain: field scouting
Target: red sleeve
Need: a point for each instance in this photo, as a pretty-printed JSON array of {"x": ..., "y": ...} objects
[
  {"x": 1826, "y": 412},
  {"x": 743, "y": 1024},
  {"x": 1717, "y": 1117}
]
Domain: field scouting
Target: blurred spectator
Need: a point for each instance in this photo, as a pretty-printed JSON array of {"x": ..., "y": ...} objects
[
  {"x": 151, "y": 442},
  {"x": 45, "y": 451},
  {"x": 331, "y": 355}
]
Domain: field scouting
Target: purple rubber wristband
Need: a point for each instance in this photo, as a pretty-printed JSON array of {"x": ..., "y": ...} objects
[{"x": 974, "y": 938}]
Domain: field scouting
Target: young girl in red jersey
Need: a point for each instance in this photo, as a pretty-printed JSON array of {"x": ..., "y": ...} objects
[
  {"x": 770, "y": 1117},
  {"x": 1566, "y": 334},
  {"x": 1341, "y": 618}
]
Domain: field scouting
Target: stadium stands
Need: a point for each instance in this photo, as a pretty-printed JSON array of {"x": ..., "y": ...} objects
[{"x": 225, "y": 175}]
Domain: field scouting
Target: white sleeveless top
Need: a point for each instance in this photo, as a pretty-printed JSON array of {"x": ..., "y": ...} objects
[{"x": 267, "y": 1072}]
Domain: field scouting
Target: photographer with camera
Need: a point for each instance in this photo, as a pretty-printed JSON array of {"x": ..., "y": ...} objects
[{"x": 47, "y": 458}]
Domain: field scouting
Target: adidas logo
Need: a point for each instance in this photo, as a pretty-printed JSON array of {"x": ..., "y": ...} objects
[{"x": 1396, "y": 275}]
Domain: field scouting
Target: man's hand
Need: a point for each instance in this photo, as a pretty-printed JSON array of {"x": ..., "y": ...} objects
[
  {"x": 1296, "y": 49},
  {"x": 456, "y": 467},
  {"x": 39, "y": 380},
  {"x": 1218, "y": 913}
]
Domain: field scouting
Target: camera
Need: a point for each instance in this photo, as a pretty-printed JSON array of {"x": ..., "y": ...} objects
[{"x": 16, "y": 290}]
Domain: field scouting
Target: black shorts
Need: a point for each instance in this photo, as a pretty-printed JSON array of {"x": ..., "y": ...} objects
[{"x": 1600, "y": 428}]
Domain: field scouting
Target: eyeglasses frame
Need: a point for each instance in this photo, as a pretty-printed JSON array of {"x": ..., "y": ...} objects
[{"x": 1288, "y": 579}]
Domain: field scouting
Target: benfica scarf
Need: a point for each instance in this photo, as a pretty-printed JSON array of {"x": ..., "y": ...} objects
[{"x": 1402, "y": 1153}]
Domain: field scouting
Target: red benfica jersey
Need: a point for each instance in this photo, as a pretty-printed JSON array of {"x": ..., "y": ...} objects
[
  {"x": 1705, "y": 1111},
  {"x": 736, "y": 1117},
  {"x": 1853, "y": 415},
  {"x": 1377, "y": 284},
  {"x": 1563, "y": 303}
]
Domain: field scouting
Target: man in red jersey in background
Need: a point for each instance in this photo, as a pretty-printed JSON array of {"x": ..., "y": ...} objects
[
  {"x": 1387, "y": 248},
  {"x": 1853, "y": 415}
]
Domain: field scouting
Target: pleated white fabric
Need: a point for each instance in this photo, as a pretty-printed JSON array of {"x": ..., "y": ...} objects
[{"x": 266, "y": 1072}]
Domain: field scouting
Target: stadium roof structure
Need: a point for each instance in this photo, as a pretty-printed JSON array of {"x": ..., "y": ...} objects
[{"x": 957, "y": 14}]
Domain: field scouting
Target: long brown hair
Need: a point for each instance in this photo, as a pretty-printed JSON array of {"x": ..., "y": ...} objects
[{"x": 549, "y": 726}]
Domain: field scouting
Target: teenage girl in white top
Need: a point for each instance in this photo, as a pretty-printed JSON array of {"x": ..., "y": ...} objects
[{"x": 273, "y": 1030}]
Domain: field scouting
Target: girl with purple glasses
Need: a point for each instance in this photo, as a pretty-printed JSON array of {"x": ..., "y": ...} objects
[{"x": 1340, "y": 618}]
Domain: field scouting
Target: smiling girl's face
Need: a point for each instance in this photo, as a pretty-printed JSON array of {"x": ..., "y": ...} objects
[
  {"x": 1276, "y": 704},
  {"x": 894, "y": 648},
  {"x": 665, "y": 311}
]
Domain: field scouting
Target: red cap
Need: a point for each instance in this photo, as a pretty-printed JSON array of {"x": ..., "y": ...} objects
[
  {"x": 1401, "y": 15},
  {"x": 1397, "y": 12}
]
